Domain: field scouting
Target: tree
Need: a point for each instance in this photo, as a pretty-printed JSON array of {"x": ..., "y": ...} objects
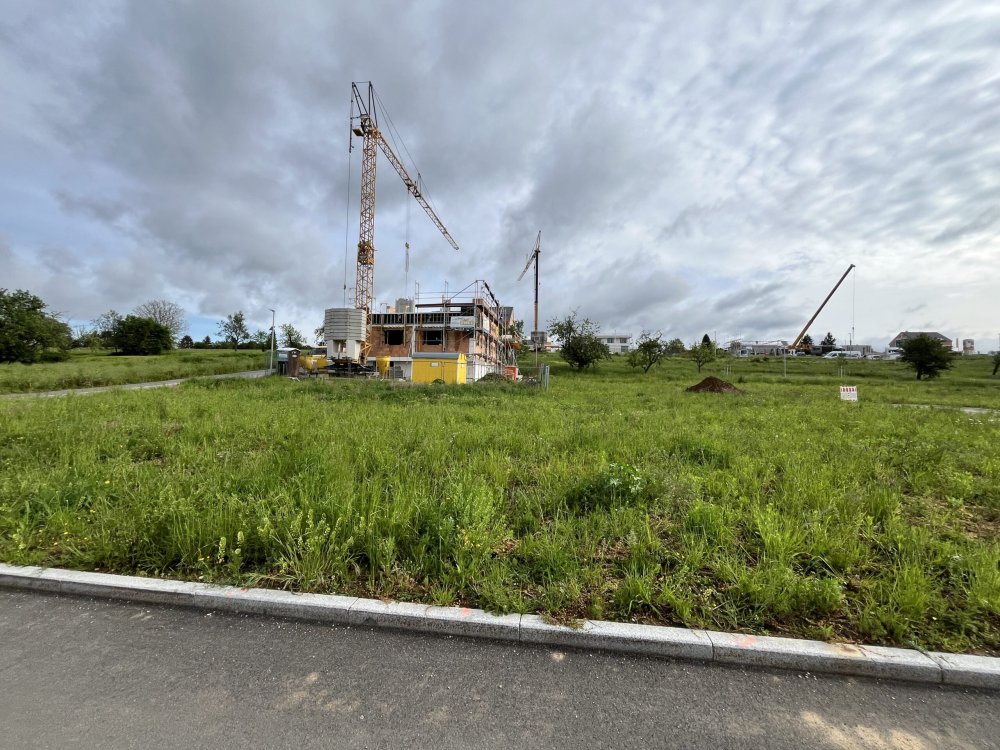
[
  {"x": 676, "y": 347},
  {"x": 142, "y": 336},
  {"x": 234, "y": 329},
  {"x": 262, "y": 339},
  {"x": 86, "y": 338},
  {"x": 702, "y": 353},
  {"x": 291, "y": 337},
  {"x": 806, "y": 342},
  {"x": 928, "y": 357},
  {"x": 581, "y": 347},
  {"x": 28, "y": 333},
  {"x": 648, "y": 351},
  {"x": 186, "y": 342},
  {"x": 705, "y": 340},
  {"x": 517, "y": 331},
  {"x": 168, "y": 314},
  {"x": 996, "y": 363},
  {"x": 828, "y": 344},
  {"x": 319, "y": 335},
  {"x": 105, "y": 325}
]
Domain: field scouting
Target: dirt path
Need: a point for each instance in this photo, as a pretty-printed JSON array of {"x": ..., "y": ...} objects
[
  {"x": 966, "y": 409},
  {"x": 133, "y": 386}
]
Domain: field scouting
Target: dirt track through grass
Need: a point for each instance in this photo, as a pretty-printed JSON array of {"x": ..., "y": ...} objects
[{"x": 85, "y": 369}]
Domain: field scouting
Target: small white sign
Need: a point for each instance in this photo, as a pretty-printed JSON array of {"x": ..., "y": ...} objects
[{"x": 848, "y": 393}]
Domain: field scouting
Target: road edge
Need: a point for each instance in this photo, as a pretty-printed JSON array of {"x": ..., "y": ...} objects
[{"x": 651, "y": 640}]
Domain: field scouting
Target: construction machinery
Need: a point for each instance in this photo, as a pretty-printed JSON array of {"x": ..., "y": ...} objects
[
  {"x": 802, "y": 333},
  {"x": 348, "y": 333},
  {"x": 537, "y": 336}
]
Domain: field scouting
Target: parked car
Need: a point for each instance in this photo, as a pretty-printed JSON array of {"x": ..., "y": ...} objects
[{"x": 840, "y": 354}]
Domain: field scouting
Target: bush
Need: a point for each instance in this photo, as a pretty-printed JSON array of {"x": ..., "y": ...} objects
[
  {"x": 53, "y": 355},
  {"x": 27, "y": 332},
  {"x": 142, "y": 336},
  {"x": 928, "y": 357},
  {"x": 581, "y": 347}
]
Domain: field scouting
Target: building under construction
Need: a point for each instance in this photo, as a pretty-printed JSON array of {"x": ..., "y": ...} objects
[
  {"x": 470, "y": 329},
  {"x": 455, "y": 338}
]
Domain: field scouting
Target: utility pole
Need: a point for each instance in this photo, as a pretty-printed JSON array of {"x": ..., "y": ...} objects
[
  {"x": 270, "y": 349},
  {"x": 536, "y": 251}
]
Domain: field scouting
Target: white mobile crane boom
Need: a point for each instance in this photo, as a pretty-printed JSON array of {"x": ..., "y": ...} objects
[{"x": 802, "y": 333}]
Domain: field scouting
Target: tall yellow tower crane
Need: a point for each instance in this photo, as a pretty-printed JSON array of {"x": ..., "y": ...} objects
[{"x": 364, "y": 124}]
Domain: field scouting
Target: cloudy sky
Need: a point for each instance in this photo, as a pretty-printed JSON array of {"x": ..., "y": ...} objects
[{"x": 693, "y": 167}]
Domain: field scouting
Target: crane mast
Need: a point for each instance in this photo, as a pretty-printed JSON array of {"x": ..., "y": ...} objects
[
  {"x": 533, "y": 259},
  {"x": 365, "y": 125}
]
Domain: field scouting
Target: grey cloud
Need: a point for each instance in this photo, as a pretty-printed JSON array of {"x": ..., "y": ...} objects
[
  {"x": 984, "y": 222},
  {"x": 204, "y": 147},
  {"x": 759, "y": 294},
  {"x": 103, "y": 210}
]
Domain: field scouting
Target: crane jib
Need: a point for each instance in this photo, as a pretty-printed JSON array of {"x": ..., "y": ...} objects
[{"x": 364, "y": 124}]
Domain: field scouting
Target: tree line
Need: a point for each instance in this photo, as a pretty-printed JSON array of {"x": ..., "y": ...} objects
[
  {"x": 31, "y": 332},
  {"x": 583, "y": 348}
]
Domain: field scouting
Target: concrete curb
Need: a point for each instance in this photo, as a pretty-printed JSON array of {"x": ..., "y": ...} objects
[{"x": 650, "y": 640}]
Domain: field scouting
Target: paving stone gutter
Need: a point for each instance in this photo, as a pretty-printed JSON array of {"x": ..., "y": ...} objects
[{"x": 649, "y": 640}]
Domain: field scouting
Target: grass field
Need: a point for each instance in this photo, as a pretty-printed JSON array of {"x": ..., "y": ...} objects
[
  {"x": 613, "y": 495},
  {"x": 85, "y": 369}
]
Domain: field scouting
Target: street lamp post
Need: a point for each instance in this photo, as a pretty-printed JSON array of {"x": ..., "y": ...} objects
[{"x": 270, "y": 350}]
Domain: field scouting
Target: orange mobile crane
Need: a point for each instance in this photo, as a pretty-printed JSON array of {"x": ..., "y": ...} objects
[{"x": 364, "y": 124}]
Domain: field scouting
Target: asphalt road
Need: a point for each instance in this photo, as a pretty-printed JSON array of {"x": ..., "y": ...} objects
[{"x": 77, "y": 672}]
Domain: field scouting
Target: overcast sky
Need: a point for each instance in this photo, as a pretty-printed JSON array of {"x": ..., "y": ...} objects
[{"x": 694, "y": 167}]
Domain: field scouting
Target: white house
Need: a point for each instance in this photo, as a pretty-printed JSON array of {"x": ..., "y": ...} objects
[{"x": 618, "y": 343}]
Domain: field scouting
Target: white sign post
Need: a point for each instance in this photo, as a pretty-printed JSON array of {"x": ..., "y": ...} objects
[{"x": 848, "y": 393}]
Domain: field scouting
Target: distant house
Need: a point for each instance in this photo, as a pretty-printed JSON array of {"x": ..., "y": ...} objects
[
  {"x": 902, "y": 336},
  {"x": 618, "y": 343}
]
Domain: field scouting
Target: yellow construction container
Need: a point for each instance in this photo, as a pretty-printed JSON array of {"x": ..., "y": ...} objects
[
  {"x": 447, "y": 366},
  {"x": 308, "y": 361}
]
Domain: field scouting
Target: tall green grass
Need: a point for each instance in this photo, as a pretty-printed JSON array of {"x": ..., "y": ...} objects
[
  {"x": 612, "y": 495},
  {"x": 85, "y": 369}
]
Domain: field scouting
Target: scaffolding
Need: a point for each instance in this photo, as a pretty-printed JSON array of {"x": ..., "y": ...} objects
[{"x": 471, "y": 321}]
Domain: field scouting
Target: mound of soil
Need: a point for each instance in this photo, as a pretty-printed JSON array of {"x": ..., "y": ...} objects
[{"x": 712, "y": 384}]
